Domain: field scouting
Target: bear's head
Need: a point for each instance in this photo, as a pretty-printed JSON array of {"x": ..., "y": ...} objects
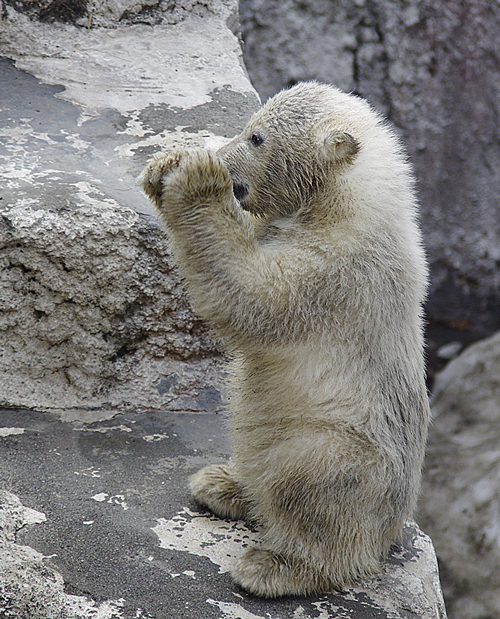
[{"x": 292, "y": 149}]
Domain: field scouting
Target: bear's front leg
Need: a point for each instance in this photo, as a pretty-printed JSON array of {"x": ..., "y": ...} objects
[{"x": 212, "y": 238}]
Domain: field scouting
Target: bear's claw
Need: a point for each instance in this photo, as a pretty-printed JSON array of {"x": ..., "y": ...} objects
[{"x": 155, "y": 172}]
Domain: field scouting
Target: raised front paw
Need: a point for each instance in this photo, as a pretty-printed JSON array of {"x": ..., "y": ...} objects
[
  {"x": 214, "y": 488},
  {"x": 156, "y": 172},
  {"x": 185, "y": 180}
]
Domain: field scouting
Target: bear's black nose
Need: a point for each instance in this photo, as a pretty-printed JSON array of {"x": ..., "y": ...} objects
[{"x": 240, "y": 191}]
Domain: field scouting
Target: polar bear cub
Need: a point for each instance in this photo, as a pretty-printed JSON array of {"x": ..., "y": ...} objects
[{"x": 299, "y": 245}]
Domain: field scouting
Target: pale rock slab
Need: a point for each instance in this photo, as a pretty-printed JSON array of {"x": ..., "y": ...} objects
[
  {"x": 30, "y": 587},
  {"x": 409, "y": 580},
  {"x": 94, "y": 317},
  {"x": 111, "y": 519}
]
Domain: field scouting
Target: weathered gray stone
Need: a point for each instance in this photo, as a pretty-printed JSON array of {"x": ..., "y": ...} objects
[
  {"x": 433, "y": 68},
  {"x": 460, "y": 503},
  {"x": 91, "y": 13},
  {"x": 118, "y": 527},
  {"x": 29, "y": 588},
  {"x": 94, "y": 317}
]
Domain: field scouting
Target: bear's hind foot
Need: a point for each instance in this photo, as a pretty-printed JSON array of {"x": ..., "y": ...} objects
[
  {"x": 270, "y": 575},
  {"x": 214, "y": 488}
]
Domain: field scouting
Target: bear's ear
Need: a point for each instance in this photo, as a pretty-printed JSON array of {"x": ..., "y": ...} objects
[{"x": 337, "y": 145}]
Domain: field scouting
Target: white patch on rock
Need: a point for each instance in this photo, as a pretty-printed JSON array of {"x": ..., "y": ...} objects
[
  {"x": 221, "y": 541},
  {"x": 11, "y": 431},
  {"x": 25, "y": 576},
  {"x": 234, "y": 611},
  {"x": 22, "y": 163},
  {"x": 131, "y": 67},
  {"x": 166, "y": 140},
  {"x": 116, "y": 499},
  {"x": 100, "y": 498},
  {"x": 89, "y": 472},
  {"x": 325, "y": 608},
  {"x": 104, "y": 430}
]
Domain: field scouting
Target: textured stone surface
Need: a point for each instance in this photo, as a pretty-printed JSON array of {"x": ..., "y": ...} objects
[
  {"x": 460, "y": 503},
  {"x": 433, "y": 69},
  {"x": 93, "y": 315},
  {"x": 128, "y": 68},
  {"x": 118, "y": 534},
  {"x": 92, "y": 13},
  {"x": 29, "y": 588}
]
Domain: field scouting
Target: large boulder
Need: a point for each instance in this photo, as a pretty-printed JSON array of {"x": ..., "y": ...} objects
[
  {"x": 94, "y": 317},
  {"x": 460, "y": 503},
  {"x": 433, "y": 69}
]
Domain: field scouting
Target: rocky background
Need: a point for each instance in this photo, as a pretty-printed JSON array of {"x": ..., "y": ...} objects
[
  {"x": 433, "y": 69},
  {"x": 460, "y": 501}
]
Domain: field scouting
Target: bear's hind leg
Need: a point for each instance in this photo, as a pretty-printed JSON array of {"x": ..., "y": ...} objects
[
  {"x": 214, "y": 488},
  {"x": 270, "y": 575},
  {"x": 324, "y": 503}
]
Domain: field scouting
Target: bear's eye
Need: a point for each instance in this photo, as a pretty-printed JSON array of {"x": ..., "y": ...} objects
[{"x": 256, "y": 139}]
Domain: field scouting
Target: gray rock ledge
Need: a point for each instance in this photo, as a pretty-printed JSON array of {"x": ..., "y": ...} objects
[
  {"x": 109, "y": 530},
  {"x": 93, "y": 316}
]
